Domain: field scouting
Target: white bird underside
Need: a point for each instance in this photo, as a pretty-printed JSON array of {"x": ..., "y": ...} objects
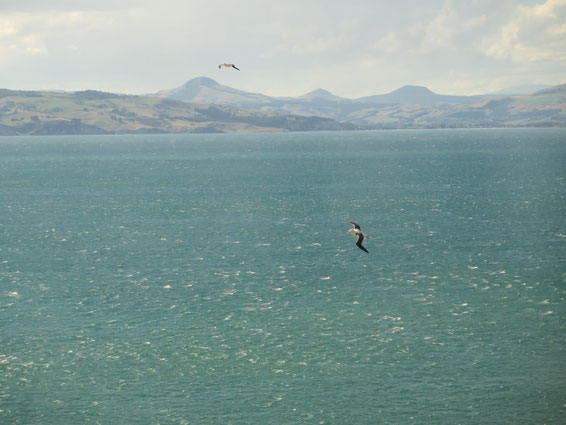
[{"x": 228, "y": 65}]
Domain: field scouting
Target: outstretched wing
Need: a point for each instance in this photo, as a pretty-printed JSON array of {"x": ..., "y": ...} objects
[
  {"x": 356, "y": 226},
  {"x": 359, "y": 242},
  {"x": 228, "y": 65}
]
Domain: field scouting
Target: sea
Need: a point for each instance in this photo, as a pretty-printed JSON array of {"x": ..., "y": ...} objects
[{"x": 210, "y": 279}]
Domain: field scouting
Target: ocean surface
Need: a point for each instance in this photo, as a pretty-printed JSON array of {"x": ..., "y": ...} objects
[{"x": 210, "y": 279}]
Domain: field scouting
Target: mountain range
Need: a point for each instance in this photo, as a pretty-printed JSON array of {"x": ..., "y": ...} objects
[
  {"x": 406, "y": 107},
  {"x": 95, "y": 112},
  {"x": 203, "y": 105},
  {"x": 206, "y": 90}
]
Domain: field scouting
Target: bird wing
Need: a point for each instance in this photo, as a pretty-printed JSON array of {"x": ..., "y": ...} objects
[
  {"x": 359, "y": 242},
  {"x": 235, "y": 67},
  {"x": 356, "y": 226}
]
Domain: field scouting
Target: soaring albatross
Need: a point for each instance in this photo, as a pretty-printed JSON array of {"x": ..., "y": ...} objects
[
  {"x": 357, "y": 232},
  {"x": 228, "y": 65}
]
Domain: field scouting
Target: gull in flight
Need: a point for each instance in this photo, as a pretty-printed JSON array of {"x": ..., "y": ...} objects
[
  {"x": 357, "y": 232},
  {"x": 228, "y": 65}
]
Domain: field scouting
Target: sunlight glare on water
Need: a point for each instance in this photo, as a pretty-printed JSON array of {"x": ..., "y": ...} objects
[{"x": 205, "y": 279}]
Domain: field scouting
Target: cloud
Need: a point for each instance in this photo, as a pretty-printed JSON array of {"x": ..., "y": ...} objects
[
  {"x": 24, "y": 32},
  {"x": 531, "y": 34},
  {"x": 389, "y": 43},
  {"x": 353, "y": 49}
]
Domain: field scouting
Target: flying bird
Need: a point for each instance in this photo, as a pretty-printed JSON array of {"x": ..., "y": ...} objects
[
  {"x": 228, "y": 65},
  {"x": 357, "y": 232}
]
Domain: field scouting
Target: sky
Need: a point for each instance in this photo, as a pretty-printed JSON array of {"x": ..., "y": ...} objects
[{"x": 352, "y": 48}]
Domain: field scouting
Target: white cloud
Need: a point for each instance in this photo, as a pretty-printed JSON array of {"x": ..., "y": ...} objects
[
  {"x": 389, "y": 43},
  {"x": 531, "y": 34},
  {"x": 353, "y": 49},
  {"x": 440, "y": 32},
  {"x": 37, "y": 32}
]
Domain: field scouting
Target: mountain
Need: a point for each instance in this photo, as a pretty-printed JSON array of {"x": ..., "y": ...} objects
[
  {"x": 321, "y": 94},
  {"x": 205, "y": 90},
  {"x": 546, "y": 108},
  {"x": 94, "y": 112},
  {"x": 523, "y": 89},
  {"x": 416, "y": 95},
  {"x": 406, "y": 107},
  {"x": 559, "y": 90}
]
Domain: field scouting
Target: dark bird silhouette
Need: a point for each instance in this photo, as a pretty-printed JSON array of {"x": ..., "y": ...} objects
[{"x": 357, "y": 232}]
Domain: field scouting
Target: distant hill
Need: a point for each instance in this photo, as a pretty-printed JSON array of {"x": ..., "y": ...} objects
[
  {"x": 406, "y": 107},
  {"x": 417, "y": 95},
  {"x": 559, "y": 90},
  {"x": 217, "y": 108},
  {"x": 94, "y": 112},
  {"x": 205, "y": 90},
  {"x": 521, "y": 90},
  {"x": 321, "y": 94}
]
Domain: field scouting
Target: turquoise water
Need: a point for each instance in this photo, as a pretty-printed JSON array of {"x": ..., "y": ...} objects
[{"x": 209, "y": 279}]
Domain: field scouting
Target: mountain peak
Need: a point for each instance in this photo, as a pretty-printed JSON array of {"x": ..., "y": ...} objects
[
  {"x": 413, "y": 91},
  {"x": 320, "y": 94},
  {"x": 200, "y": 81},
  {"x": 188, "y": 90}
]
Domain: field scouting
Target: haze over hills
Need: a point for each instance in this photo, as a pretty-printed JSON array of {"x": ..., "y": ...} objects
[
  {"x": 523, "y": 89},
  {"x": 406, "y": 107},
  {"x": 206, "y": 90},
  {"x": 93, "y": 112},
  {"x": 224, "y": 109},
  {"x": 417, "y": 95}
]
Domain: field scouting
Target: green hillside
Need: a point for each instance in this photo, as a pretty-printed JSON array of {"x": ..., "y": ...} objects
[
  {"x": 544, "y": 109},
  {"x": 93, "y": 112}
]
